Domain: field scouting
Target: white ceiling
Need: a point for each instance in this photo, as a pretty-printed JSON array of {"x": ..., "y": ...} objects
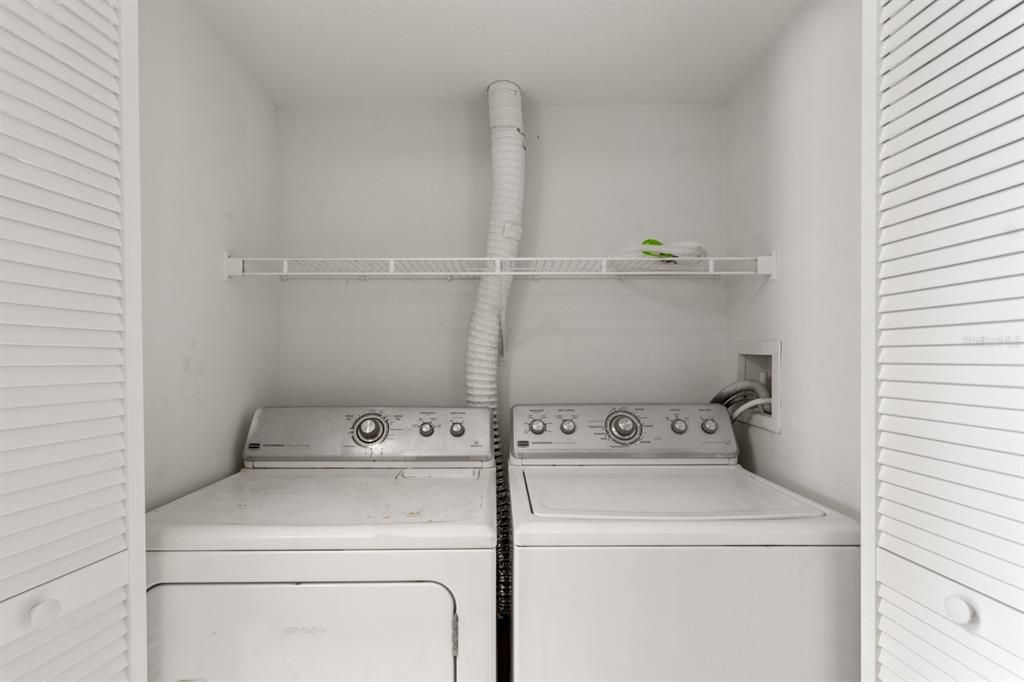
[{"x": 437, "y": 52}]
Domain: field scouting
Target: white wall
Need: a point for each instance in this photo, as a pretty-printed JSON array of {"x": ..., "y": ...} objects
[
  {"x": 374, "y": 181},
  {"x": 792, "y": 132},
  {"x": 208, "y": 167}
]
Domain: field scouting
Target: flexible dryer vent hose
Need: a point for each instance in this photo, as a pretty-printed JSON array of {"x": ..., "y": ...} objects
[{"x": 508, "y": 174}]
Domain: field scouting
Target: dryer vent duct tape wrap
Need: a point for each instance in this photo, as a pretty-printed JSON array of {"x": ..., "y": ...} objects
[{"x": 508, "y": 176}]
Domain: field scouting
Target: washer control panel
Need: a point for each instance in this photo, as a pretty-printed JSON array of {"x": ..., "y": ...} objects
[
  {"x": 601, "y": 432},
  {"x": 298, "y": 436}
]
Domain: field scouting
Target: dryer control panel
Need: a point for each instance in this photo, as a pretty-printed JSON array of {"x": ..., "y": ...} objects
[
  {"x": 602, "y": 432},
  {"x": 367, "y": 436}
]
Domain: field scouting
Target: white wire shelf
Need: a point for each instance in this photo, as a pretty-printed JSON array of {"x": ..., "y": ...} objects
[{"x": 468, "y": 268}]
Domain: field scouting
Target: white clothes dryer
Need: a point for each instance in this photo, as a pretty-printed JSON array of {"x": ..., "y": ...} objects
[
  {"x": 642, "y": 551},
  {"x": 356, "y": 544}
]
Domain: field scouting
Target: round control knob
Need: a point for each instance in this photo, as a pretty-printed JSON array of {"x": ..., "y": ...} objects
[
  {"x": 458, "y": 429},
  {"x": 622, "y": 427},
  {"x": 709, "y": 426},
  {"x": 426, "y": 429},
  {"x": 568, "y": 427},
  {"x": 370, "y": 429},
  {"x": 538, "y": 427},
  {"x": 678, "y": 426}
]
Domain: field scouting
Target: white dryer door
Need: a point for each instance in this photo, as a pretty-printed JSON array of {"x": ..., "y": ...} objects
[{"x": 365, "y": 632}]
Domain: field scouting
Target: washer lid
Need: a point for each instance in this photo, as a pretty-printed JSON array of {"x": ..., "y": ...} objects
[
  {"x": 682, "y": 505},
  {"x": 695, "y": 493},
  {"x": 288, "y": 509}
]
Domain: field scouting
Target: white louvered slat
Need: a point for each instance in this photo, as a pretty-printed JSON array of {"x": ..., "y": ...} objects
[
  {"x": 900, "y": 102},
  {"x": 80, "y": 45},
  {"x": 34, "y": 235},
  {"x": 37, "y": 196},
  {"x": 918, "y": 662},
  {"x": 989, "y": 226},
  {"x": 22, "y": 335},
  {"x": 24, "y": 315},
  {"x": 956, "y": 374},
  {"x": 95, "y": 37},
  {"x": 63, "y": 261},
  {"x": 956, "y": 453},
  {"x": 989, "y": 39},
  {"x": 946, "y": 32},
  {"x": 34, "y": 396},
  {"x": 61, "y": 82},
  {"x": 932, "y": 553},
  {"x": 910, "y": 166},
  {"x": 958, "y": 296},
  {"x": 911, "y": 18},
  {"x": 989, "y": 311},
  {"x": 1000, "y": 482},
  {"x": 1009, "y": 265},
  {"x": 27, "y": 275},
  {"x": 972, "y": 169},
  {"x": 1010, "y": 530},
  {"x": 1002, "y": 179},
  {"x": 1010, "y": 552},
  {"x": 1002, "y": 418},
  {"x": 58, "y": 184},
  {"x": 924, "y": 648},
  {"x": 962, "y": 394},
  {"x": 970, "y": 354},
  {"x": 957, "y": 123},
  {"x": 17, "y": 30}
]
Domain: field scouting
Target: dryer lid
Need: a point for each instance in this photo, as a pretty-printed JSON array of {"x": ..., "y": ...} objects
[{"x": 694, "y": 493}]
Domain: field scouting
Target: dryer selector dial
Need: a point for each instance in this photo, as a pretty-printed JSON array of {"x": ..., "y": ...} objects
[
  {"x": 623, "y": 427},
  {"x": 370, "y": 429}
]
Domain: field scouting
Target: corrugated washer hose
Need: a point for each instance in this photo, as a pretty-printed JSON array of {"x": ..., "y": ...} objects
[
  {"x": 508, "y": 176},
  {"x": 743, "y": 391}
]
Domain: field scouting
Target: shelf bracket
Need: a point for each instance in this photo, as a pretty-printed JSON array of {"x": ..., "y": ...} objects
[
  {"x": 232, "y": 266},
  {"x": 766, "y": 265}
]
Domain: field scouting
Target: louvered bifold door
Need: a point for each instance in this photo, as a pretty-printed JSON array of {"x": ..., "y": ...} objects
[
  {"x": 950, "y": 340},
  {"x": 64, "y": 334}
]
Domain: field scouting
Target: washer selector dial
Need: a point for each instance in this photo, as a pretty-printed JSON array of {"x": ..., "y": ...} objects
[
  {"x": 370, "y": 429},
  {"x": 623, "y": 427},
  {"x": 426, "y": 429},
  {"x": 458, "y": 429},
  {"x": 678, "y": 426},
  {"x": 568, "y": 427},
  {"x": 709, "y": 426},
  {"x": 538, "y": 427}
]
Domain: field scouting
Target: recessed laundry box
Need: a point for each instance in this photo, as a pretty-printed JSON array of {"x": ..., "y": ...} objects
[{"x": 357, "y": 544}]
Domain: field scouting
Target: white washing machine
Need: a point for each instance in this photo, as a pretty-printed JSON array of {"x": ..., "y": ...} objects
[
  {"x": 355, "y": 544},
  {"x": 643, "y": 552}
]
